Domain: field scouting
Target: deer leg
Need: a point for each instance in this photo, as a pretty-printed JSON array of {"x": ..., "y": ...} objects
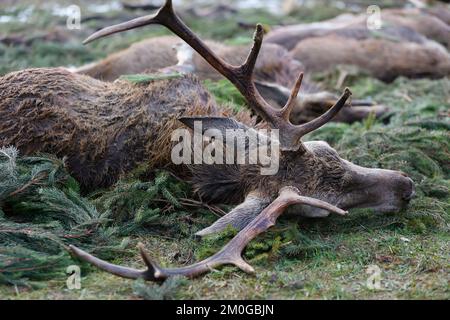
[{"x": 240, "y": 216}]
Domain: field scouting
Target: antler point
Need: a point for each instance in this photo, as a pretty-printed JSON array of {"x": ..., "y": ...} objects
[
  {"x": 157, "y": 274},
  {"x": 140, "y": 245},
  {"x": 259, "y": 32}
]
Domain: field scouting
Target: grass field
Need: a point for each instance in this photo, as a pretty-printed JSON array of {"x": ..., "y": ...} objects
[{"x": 299, "y": 258}]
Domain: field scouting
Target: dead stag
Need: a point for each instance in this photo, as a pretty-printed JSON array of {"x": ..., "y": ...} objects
[{"x": 311, "y": 177}]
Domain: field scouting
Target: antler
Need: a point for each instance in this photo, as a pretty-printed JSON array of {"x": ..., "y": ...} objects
[
  {"x": 231, "y": 253},
  {"x": 241, "y": 76}
]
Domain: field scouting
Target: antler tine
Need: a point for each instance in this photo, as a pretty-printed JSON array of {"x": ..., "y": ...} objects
[
  {"x": 285, "y": 112},
  {"x": 240, "y": 76},
  {"x": 167, "y": 17},
  {"x": 120, "y": 271},
  {"x": 128, "y": 25},
  {"x": 231, "y": 253},
  {"x": 249, "y": 65}
]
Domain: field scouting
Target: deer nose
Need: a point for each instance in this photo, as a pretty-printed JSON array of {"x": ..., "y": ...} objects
[{"x": 410, "y": 191}]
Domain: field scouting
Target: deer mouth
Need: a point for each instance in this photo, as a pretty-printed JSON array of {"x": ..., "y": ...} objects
[
  {"x": 382, "y": 198},
  {"x": 381, "y": 190},
  {"x": 382, "y": 207}
]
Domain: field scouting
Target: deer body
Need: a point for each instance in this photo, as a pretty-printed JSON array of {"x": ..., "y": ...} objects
[
  {"x": 106, "y": 129},
  {"x": 422, "y": 22},
  {"x": 103, "y": 129},
  {"x": 402, "y": 24},
  {"x": 384, "y": 60},
  {"x": 150, "y": 54},
  {"x": 439, "y": 11},
  {"x": 399, "y": 48}
]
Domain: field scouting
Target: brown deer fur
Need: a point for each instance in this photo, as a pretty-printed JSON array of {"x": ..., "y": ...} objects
[
  {"x": 383, "y": 59},
  {"x": 403, "y": 24},
  {"x": 442, "y": 12},
  {"x": 399, "y": 48},
  {"x": 154, "y": 53},
  {"x": 103, "y": 129},
  {"x": 428, "y": 25}
]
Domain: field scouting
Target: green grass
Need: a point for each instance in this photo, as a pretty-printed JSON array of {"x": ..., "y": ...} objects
[{"x": 298, "y": 258}]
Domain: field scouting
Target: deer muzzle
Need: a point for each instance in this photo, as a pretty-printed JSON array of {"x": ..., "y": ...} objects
[{"x": 379, "y": 189}]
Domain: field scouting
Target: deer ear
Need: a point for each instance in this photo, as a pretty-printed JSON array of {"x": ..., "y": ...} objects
[
  {"x": 210, "y": 126},
  {"x": 219, "y": 123}
]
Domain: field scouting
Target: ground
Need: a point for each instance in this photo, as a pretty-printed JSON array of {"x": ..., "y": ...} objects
[{"x": 333, "y": 258}]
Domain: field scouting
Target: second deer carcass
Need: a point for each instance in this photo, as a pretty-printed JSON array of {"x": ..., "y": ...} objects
[
  {"x": 440, "y": 11},
  {"x": 275, "y": 71},
  {"x": 312, "y": 178},
  {"x": 396, "y": 49},
  {"x": 274, "y": 64}
]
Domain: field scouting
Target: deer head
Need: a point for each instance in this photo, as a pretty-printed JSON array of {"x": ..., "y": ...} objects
[{"x": 312, "y": 178}]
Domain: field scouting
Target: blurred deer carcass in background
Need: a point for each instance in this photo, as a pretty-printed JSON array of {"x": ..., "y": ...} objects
[
  {"x": 274, "y": 63},
  {"x": 440, "y": 11},
  {"x": 107, "y": 128},
  {"x": 399, "y": 48},
  {"x": 420, "y": 21},
  {"x": 275, "y": 72}
]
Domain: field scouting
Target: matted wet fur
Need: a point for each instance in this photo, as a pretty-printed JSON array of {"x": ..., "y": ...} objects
[{"x": 103, "y": 129}]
